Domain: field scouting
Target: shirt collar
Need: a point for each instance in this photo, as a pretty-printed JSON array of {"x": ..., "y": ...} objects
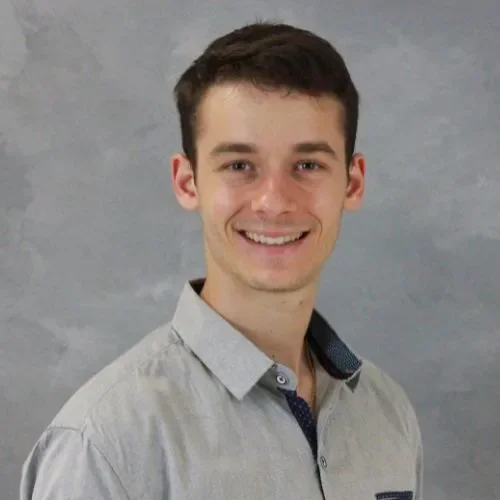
[{"x": 236, "y": 361}]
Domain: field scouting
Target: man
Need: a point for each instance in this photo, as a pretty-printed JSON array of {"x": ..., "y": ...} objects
[{"x": 247, "y": 393}]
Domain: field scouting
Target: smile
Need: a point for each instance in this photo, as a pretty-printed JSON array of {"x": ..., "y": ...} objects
[{"x": 273, "y": 240}]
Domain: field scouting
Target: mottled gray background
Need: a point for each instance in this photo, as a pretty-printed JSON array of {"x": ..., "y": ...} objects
[{"x": 94, "y": 249}]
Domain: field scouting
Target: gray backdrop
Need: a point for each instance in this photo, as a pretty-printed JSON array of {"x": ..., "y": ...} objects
[{"x": 94, "y": 249}]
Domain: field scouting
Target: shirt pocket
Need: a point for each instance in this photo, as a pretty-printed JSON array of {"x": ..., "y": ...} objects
[{"x": 394, "y": 495}]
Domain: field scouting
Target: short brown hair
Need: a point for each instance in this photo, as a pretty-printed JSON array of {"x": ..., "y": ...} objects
[{"x": 271, "y": 56}]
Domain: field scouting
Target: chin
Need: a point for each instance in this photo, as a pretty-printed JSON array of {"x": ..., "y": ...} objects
[{"x": 274, "y": 283}]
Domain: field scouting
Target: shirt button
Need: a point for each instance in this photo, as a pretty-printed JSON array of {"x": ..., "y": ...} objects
[
  {"x": 281, "y": 379},
  {"x": 322, "y": 462}
]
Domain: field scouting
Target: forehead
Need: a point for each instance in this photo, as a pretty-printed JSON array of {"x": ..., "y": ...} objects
[{"x": 242, "y": 112}]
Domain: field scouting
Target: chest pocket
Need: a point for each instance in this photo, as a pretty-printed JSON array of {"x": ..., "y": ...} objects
[{"x": 394, "y": 495}]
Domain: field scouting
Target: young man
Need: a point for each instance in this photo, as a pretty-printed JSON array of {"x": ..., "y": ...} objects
[{"x": 247, "y": 393}]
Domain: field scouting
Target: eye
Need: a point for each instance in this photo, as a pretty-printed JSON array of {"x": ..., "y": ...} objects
[
  {"x": 239, "y": 166},
  {"x": 308, "y": 165}
]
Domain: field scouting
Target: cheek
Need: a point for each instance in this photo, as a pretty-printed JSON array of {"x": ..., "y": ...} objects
[
  {"x": 219, "y": 203},
  {"x": 327, "y": 207},
  {"x": 326, "y": 201},
  {"x": 226, "y": 201}
]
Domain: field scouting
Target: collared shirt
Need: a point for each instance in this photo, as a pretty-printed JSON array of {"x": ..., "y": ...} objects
[{"x": 196, "y": 411}]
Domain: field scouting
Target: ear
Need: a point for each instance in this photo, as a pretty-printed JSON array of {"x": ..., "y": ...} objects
[
  {"x": 356, "y": 187},
  {"x": 182, "y": 176}
]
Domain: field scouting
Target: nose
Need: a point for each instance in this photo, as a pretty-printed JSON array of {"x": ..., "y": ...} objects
[{"x": 274, "y": 195}]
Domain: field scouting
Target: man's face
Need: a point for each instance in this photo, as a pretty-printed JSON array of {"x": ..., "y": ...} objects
[{"x": 271, "y": 185}]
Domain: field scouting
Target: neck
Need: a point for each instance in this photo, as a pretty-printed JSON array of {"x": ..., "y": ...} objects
[{"x": 276, "y": 322}]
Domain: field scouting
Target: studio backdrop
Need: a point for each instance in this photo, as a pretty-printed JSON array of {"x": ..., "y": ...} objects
[{"x": 94, "y": 248}]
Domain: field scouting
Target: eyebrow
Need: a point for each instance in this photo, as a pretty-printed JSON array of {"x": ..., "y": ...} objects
[{"x": 248, "y": 148}]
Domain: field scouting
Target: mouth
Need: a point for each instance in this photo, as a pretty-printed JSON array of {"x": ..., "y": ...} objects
[{"x": 274, "y": 241}]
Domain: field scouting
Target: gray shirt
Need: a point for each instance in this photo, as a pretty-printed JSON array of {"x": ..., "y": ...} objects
[{"x": 197, "y": 411}]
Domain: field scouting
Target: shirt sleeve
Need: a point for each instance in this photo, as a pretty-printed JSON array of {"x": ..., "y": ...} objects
[{"x": 64, "y": 464}]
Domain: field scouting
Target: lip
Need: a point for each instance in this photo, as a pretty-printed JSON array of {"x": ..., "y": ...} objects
[{"x": 273, "y": 250}]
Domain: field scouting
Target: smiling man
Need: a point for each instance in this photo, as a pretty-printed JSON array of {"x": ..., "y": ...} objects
[{"x": 248, "y": 392}]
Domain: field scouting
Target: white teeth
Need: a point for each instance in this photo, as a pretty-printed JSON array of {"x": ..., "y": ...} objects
[{"x": 265, "y": 240}]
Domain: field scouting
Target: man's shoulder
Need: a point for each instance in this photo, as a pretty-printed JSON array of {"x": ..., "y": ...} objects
[
  {"x": 377, "y": 380},
  {"x": 382, "y": 393},
  {"x": 105, "y": 427},
  {"x": 116, "y": 388}
]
